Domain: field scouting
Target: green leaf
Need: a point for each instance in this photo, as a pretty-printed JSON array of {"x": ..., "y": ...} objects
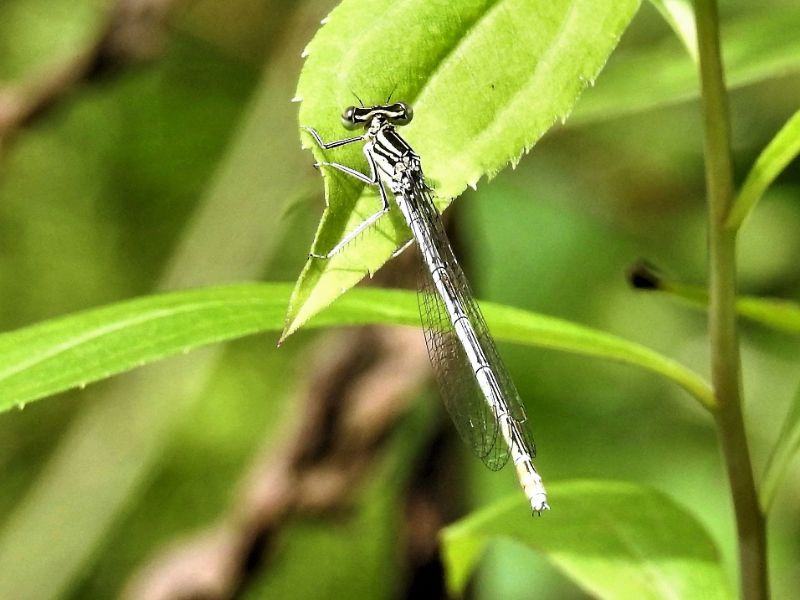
[
  {"x": 615, "y": 540},
  {"x": 524, "y": 327},
  {"x": 680, "y": 16},
  {"x": 755, "y": 48},
  {"x": 775, "y": 313},
  {"x": 486, "y": 78},
  {"x": 785, "y": 448},
  {"x": 73, "y": 351},
  {"x": 782, "y": 150},
  {"x": 78, "y": 349},
  {"x": 779, "y": 314}
]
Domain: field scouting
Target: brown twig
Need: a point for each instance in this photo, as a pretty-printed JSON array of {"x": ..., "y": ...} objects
[
  {"x": 362, "y": 384},
  {"x": 134, "y": 31},
  {"x": 430, "y": 504}
]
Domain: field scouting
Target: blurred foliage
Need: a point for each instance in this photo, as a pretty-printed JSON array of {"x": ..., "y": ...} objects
[{"x": 188, "y": 171}]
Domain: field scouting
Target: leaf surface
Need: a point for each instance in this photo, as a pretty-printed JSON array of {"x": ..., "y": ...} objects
[{"x": 615, "y": 540}]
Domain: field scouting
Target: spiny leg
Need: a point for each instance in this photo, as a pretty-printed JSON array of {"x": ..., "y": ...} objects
[
  {"x": 400, "y": 250},
  {"x": 371, "y": 179},
  {"x": 335, "y": 144}
]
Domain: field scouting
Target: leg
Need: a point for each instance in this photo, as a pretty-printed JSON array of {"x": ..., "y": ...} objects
[
  {"x": 330, "y": 145},
  {"x": 369, "y": 180},
  {"x": 374, "y": 180},
  {"x": 403, "y": 247},
  {"x": 327, "y": 146}
]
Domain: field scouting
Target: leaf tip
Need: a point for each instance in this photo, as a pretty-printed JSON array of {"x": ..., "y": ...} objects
[{"x": 288, "y": 329}]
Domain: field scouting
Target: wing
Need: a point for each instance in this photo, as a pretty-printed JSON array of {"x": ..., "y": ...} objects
[{"x": 472, "y": 415}]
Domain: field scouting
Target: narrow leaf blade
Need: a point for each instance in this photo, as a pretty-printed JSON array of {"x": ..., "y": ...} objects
[
  {"x": 776, "y": 313},
  {"x": 78, "y": 349},
  {"x": 782, "y": 150},
  {"x": 75, "y": 350}
]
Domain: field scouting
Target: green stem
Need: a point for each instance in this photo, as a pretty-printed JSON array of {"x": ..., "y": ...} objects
[{"x": 725, "y": 360}]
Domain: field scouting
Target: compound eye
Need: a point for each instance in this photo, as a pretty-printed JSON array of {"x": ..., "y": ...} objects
[
  {"x": 349, "y": 118},
  {"x": 405, "y": 114}
]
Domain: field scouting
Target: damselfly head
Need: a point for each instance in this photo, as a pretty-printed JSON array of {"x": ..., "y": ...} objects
[{"x": 398, "y": 113}]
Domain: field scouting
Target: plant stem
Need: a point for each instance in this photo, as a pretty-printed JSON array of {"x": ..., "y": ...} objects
[{"x": 725, "y": 360}]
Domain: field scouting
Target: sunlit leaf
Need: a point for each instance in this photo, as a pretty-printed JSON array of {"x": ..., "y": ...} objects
[
  {"x": 73, "y": 351},
  {"x": 782, "y": 150},
  {"x": 615, "y": 540},
  {"x": 486, "y": 78}
]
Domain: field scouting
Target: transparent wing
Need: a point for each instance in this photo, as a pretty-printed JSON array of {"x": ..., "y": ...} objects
[{"x": 472, "y": 415}]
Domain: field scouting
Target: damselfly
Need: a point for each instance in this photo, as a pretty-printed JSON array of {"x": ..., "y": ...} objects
[{"x": 477, "y": 389}]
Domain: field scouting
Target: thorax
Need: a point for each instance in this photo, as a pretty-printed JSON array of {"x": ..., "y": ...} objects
[{"x": 394, "y": 158}]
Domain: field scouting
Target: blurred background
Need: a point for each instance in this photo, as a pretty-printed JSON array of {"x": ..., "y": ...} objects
[{"x": 149, "y": 145}]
